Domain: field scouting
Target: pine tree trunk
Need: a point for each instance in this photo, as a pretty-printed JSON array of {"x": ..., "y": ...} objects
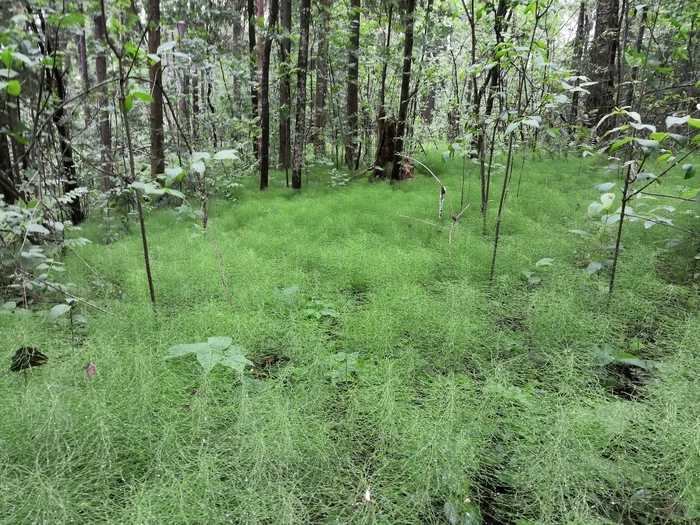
[
  {"x": 183, "y": 103},
  {"x": 606, "y": 38},
  {"x": 353, "y": 73},
  {"x": 405, "y": 85},
  {"x": 155, "y": 76},
  {"x": 253, "y": 71},
  {"x": 302, "y": 65},
  {"x": 83, "y": 66},
  {"x": 321, "y": 82}
]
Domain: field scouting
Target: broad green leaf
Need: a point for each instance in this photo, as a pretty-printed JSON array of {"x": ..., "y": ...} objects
[
  {"x": 9, "y": 305},
  {"x": 636, "y": 116},
  {"x": 59, "y": 310},
  {"x": 512, "y": 127},
  {"x": 547, "y": 261},
  {"x": 178, "y": 350},
  {"x": 675, "y": 121},
  {"x": 200, "y": 155},
  {"x": 620, "y": 143},
  {"x": 235, "y": 358},
  {"x": 681, "y": 140},
  {"x": 209, "y": 357},
  {"x": 174, "y": 172},
  {"x": 219, "y": 343},
  {"x": 199, "y": 167},
  {"x": 22, "y": 58},
  {"x": 579, "y": 232},
  {"x": 34, "y": 227},
  {"x": 694, "y": 122},
  {"x": 607, "y": 199},
  {"x": 646, "y": 143},
  {"x": 13, "y": 88},
  {"x": 659, "y": 137},
  {"x": 227, "y": 154},
  {"x": 606, "y": 186},
  {"x": 594, "y": 267},
  {"x": 166, "y": 46},
  {"x": 607, "y": 220},
  {"x": 174, "y": 193},
  {"x": 532, "y": 122},
  {"x": 141, "y": 95},
  {"x": 129, "y": 102},
  {"x": 689, "y": 170},
  {"x": 153, "y": 59}
]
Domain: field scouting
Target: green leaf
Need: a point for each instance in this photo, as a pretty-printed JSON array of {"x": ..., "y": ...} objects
[
  {"x": 620, "y": 143},
  {"x": 219, "y": 343},
  {"x": 141, "y": 95},
  {"x": 35, "y": 227},
  {"x": 689, "y": 170},
  {"x": 153, "y": 59},
  {"x": 674, "y": 121},
  {"x": 179, "y": 350},
  {"x": 235, "y": 359},
  {"x": 681, "y": 140},
  {"x": 59, "y": 310},
  {"x": 606, "y": 186},
  {"x": 227, "y": 154},
  {"x": 13, "y": 88},
  {"x": 693, "y": 122},
  {"x": 175, "y": 173},
  {"x": 200, "y": 155},
  {"x": 209, "y": 357},
  {"x": 646, "y": 143},
  {"x": 129, "y": 102},
  {"x": 512, "y": 127},
  {"x": 199, "y": 167},
  {"x": 166, "y": 46},
  {"x": 547, "y": 261},
  {"x": 174, "y": 193}
]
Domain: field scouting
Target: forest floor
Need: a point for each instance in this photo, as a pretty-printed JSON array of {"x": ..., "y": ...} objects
[{"x": 390, "y": 385}]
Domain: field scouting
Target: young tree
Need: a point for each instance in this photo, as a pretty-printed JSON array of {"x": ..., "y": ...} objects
[
  {"x": 353, "y": 73},
  {"x": 405, "y": 85},
  {"x": 302, "y": 64},
  {"x": 155, "y": 76},
  {"x": 103, "y": 99}
]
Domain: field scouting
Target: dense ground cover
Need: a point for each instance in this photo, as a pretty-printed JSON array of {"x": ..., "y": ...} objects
[{"x": 461, "y": 405}]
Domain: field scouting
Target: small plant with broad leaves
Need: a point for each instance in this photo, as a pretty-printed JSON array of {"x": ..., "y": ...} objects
[
  {"x": 318, "y": 309},
  {"x": 345, "y": 367},
  {"x": 215, "y": 351},
  {"x": 533, "y": 274}
]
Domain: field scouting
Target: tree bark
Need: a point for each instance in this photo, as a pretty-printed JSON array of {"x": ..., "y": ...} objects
[
  {"x": 102, "y": 97},
  {"x": 405, "y": 85},
  {"x": 321, "y": 82},
  {"x": 285, "y": 120},
  {"x": 302, "y": 65},
  {"x": 385, "y": 143},
  {"x": 253, "y": 71},
  {"x": 265, "y": 98},
  {"x": 155, "y": 75},
  {"x": 577, "y": 59},
  {"x": 183, "y": 103},
  {"x": 7, "y": 184},
  {"x": 606, "y": 38},
  {"x": 353, "y": 73},
  {"x": 83, "y": 66}
]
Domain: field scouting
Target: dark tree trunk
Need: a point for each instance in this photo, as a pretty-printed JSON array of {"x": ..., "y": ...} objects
[
  {"x": 285, "y": 121},
  {"x": 103, "y": 99},
  {"x": 195, "y": 104},
  {"x": 302, "y": 64},
  {"x": 577, "y": 59},
  {"x": 253, "y": 71},
  {"x": 606, "y": 37},
  {"x": 83, "y": 66},
  {"x": 155, "y": 75},
  {"x": 353, "y": 73},
  {"x": 265, "y": 98},
  {"x": 405, "y": 85},
  {"x": 385, "y": 147},
  {"x": 638, "y": 48},
  {"x": 321, "y": 82},
  {"x": 7, "y": 184}
]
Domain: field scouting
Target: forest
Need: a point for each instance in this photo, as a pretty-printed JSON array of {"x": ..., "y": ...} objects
[{"x": 349, "y": 262}]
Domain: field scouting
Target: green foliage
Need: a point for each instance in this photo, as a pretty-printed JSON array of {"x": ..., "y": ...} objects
[{"x": 217, "y": 350}]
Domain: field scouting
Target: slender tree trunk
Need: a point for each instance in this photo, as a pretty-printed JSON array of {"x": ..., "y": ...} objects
[
  {"x": 405, "y": 86},
  {"x": 253, "y": 71},
  {"x": 239, "y": 7},
  {"x": 103, "y": 100},
  {"x": 155, "y": 75},
  {"x": 7, "y": 184},
  {"x": 265, "y": 98},
  {"x": 302, "y": 65},
  {"x": 353, "y": 73},
  {"x": 83, "y": 66},
  {"x": 183, "y": 103},
  {"x": 321, "y": 82},
  {"x": 638, "y": 48},
  {"x": 577, "y": 58},
  {"x": 285, "y": 120},
  {"x": 195, "y": 104},
  {"x": 385, "y": 143}
]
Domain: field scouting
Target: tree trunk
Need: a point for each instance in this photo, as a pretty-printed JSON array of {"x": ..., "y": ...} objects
[
  {"x": 265, "y": 98},
  {"x": 600, "y": 100},
  {"x": 577, "y": 59},
  {"x": 155, "y": 76},
  {"x": 83, "y": 66},
  {"x": 385, "y": 146},
  {"x": 321, "y": 82},
  {"x": 302, "y": 64},
  {"x": 103, "y": 100},
  {"x": 183, "y": 104},
  {"x": 405, "y": 85},
  {"x": 253, "y": 71},
  {"x": 195, "y": 104},
  {"x": 285, "y": 122},
  {"x": 638, "y": 48},
  {"x": 353, "y": 72},
  {"x": 7, "y": 184}
]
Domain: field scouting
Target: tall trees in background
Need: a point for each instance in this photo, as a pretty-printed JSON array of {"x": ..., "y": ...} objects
[
  {"x": 285, "y": 110},
  {"x": 302, "y": 65},
  {"x": 102, "y": 102},
  {"x": 156, "y": 107},
  {"x": 253, "y": 69},
  {"x": 321, "y": 80},
  {"x": 353, "y": 73},
  {"x": 600, "y": 101},
  {"x": 405, "y": 86}
]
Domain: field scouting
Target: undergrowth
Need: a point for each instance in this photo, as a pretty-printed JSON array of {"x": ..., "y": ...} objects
[{"x": 463, "y": 405}]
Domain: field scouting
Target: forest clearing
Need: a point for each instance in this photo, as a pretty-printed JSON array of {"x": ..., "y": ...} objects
[{"x": 270, "y": 262}]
